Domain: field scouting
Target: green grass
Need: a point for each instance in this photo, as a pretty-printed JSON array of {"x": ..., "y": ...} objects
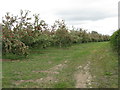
[{"x": 103, "y": 66}]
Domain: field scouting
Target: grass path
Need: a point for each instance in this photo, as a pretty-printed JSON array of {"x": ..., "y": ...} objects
[{"x": 64, "y": 67}]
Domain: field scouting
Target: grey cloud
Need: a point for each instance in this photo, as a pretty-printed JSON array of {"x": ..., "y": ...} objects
[{"x": 84, "y": 14}]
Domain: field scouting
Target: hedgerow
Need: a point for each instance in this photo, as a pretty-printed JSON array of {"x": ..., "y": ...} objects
[
  {"x": 20, "y": 34},
  {"x": 115, "y": 41}
]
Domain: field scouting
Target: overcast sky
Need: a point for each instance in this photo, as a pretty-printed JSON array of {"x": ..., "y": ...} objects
[{"x": 97, "y": 15}]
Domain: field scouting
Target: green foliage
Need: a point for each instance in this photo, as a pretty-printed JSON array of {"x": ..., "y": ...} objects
[
  {"x": 115, "y": 41},
  {"x": 11, "y": 44},
  {"x": 14, "y": 46},
  {"x": 28, "y": 40},
  {"x": 19, "y": 33},
  {"x": 62, "y": 35},
  {"x": 42, "y": 41}
]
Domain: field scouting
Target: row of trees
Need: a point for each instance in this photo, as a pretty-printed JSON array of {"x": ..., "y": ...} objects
[{"x": 20, "y": 34}]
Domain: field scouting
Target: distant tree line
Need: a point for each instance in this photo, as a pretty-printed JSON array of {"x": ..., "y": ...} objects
[{"x": 20, "y": 34}]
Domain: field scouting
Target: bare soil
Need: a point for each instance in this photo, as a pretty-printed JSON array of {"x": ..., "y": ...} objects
[{"x": 83, "y": 77}]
